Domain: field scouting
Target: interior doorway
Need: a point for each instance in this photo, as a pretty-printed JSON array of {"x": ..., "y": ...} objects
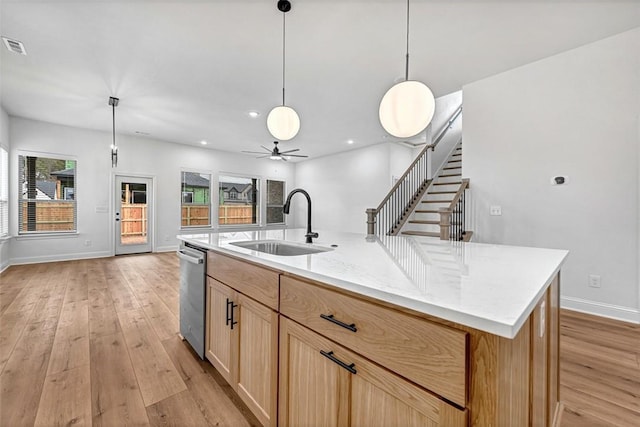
[{"x": 133, "y": 215}]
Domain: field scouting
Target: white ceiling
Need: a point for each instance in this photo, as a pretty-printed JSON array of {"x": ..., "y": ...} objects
[{"x": 191, "y": 70}]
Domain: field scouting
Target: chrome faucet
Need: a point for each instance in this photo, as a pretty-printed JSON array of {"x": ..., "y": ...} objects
[{"x": 287, "y": 206}]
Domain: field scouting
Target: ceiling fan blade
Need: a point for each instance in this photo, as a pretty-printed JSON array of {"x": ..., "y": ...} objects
[
  {"x": 263, "y": 156},
  {"x": 295, "y": 155},
  {"x": 253, "y": 152},
  {"x": 284, "y": 159},
  {"x": 268, "y": 149},
  {"x": 290, "y": 151}
]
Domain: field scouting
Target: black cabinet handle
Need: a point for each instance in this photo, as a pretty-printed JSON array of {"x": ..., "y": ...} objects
[
  {"x": 233, "y": 322},
  {"x": 330, "y": 318},
  {"x": 228, "y": 311},
  {"x": 334, "y": 359}
]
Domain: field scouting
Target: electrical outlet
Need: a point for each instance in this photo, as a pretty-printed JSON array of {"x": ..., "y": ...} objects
[
  {"x": 87, "y": 242},
  {"x": 594, "y": 281},
  {"x": 495, "y": 210}
]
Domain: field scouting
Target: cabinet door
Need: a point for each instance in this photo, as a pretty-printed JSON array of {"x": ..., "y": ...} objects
[
  {"x": 380, "y": 398},
  {"x": 258, "y": 358},
  {"x": 221, "y": 345},
  {"x": 313, "y": 389}
]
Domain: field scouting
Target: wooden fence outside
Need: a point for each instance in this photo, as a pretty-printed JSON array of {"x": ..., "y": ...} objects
[
  {"x": 193, "y": 215},
  {"x": 133, "y": 219},
  {"x": 54, "y": 215},
  {"x": 235, "y": 214}
]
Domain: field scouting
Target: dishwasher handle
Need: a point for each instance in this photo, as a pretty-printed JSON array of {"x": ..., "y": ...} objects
[{"x": 193, "y": 260}]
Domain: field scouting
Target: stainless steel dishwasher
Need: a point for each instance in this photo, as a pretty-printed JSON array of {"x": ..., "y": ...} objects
[{"x": 193, "y": 267}]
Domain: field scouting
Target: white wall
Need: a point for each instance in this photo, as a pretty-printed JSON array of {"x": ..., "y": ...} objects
[
  {"x": 137, "y": 156},
  {"x": 5, "y": 142},
  {"x": 572, "y": 114},
  {"x": 344, "y": 185}
]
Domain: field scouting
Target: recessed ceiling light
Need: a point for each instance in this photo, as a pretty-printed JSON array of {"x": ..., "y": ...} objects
[
  {"x": 253, "y": 114},
  {"x": 203, "y": 142},
  {"x": 350, "y": 141},
  {"x": 139, "y": 132}
]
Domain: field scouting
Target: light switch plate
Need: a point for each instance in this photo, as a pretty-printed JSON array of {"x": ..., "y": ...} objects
[{"x": 495, "y": 210}]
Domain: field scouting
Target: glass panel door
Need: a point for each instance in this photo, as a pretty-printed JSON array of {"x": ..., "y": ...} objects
[{"x": 133, "y": 215}]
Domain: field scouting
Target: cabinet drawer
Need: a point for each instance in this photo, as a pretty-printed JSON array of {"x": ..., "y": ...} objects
[
  {"x": 431, "y": 355},
  {"x": 256, "y": 282}
]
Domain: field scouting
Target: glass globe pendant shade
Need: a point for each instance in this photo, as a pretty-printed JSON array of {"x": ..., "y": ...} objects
[
  {"x": 283, "y": 123},
  {"x": 407, "y": 108}
]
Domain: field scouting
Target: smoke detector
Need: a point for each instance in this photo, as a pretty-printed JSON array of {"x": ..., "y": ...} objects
[{"x": 14, "y": 46}]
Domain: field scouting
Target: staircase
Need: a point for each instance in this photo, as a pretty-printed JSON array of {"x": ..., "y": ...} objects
[
  {"x": 426, "y": 220},
  {"x": 421, "y": 206}
]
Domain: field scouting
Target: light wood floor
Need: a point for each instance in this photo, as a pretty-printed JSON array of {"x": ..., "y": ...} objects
[{"x": 94, "y": 342}]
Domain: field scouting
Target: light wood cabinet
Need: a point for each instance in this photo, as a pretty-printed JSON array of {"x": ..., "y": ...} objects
[
  {"x": 431, "y": 355},
  {"x": 322, "y": 383},
  {"x": 241, "y": 342}
]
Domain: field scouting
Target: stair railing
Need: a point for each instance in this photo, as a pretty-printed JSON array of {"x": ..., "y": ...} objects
[
  {"x": 395, "y": 208},
  {"x": 453, "y": 224}
]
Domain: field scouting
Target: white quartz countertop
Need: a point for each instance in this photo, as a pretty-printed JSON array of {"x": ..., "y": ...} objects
[{"x": 493, "y": 288}]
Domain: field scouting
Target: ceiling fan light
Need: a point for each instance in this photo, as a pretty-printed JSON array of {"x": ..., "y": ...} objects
[
  {"x": 283, "y": 123},
  {"x": 275, "y": 157},
  {"x": 407, "y": 109}
]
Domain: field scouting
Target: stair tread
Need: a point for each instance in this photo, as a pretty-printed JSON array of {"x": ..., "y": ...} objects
[
  {"x": 452, "y": 167},
  {"x": 442, "y": 192},
  {"x": 448, "y": 183},
  {"x": 419, "y": 221},
  {"x": 453, "y": 174},
  {"x": 437, "y": 201},
  {"x": 426, "y": 211},
  {"x": 421, "y": 233}
]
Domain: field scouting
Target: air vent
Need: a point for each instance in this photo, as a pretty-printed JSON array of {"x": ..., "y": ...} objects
[{"x": 14, "y": 46}]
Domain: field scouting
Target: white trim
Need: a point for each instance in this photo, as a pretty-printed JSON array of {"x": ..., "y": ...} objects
[
  {"x": 59, "y": 257},
  {"x": 611, "y": 311},
  {"x": 168, "y": 248},
  {"x": 38, "y": 235}
]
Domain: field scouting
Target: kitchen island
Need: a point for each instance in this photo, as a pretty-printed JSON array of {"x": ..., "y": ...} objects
[{"x": 381, "y": 331}]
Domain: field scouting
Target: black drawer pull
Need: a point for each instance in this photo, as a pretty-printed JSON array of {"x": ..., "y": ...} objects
[
  {"x": 331, "y": 357},
  {"x": 330, "y": 318},
  {"x": 229, "y": 302}
]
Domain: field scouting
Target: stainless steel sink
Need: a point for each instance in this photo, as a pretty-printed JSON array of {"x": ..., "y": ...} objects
[{"x": 279, "y": 247}]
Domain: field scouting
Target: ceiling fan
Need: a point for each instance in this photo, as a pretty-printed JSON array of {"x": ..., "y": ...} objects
[{"x": 275, "y": 154}]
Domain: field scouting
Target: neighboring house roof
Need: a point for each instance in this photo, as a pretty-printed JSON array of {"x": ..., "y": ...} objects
[
  {"x": 195, "y": 180},
  {"x": 240, "y": 188},
  {"x": 47, "y": 187},
  {"x": 64, "y": 173},
  {"x": 45, "y": 190}
]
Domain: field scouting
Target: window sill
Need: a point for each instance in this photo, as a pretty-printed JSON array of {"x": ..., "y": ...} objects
[{"x": 37, "y": 236}]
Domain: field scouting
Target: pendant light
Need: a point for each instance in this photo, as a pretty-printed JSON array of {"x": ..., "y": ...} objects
[
  {"x": 114, "y": 148},
  {"x": 283, "y": 121},
  {"x": 407, "y": 108}
]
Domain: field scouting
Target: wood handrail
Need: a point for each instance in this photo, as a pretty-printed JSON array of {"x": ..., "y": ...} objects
[{"x": 454, "y": 202}]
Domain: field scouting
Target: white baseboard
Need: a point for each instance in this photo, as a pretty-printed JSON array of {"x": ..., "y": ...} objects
[
  {"x": 611, "y": 311},
  {"x": 59, "y": 257},
  {"x": 4, "y": 266},
  {"x": 169, "y": 248}
]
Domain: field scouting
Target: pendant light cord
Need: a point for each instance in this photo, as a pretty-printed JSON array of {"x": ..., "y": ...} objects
[
  {"x": 113, "y": 111},
  {"x": 406, "y": 70},
  {"x": 284, "y": 29}
]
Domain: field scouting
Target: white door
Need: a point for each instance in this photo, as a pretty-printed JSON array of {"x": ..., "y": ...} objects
[{"x": 133, "y": 214}]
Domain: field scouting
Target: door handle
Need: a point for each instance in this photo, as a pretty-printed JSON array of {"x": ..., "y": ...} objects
[{"x": 329, "y": 355}]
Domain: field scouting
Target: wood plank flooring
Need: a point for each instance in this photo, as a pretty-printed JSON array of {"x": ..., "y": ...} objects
[{"x": 94, "y": 342}]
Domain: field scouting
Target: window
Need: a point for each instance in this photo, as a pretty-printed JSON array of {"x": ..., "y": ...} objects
[
  {"x": 4, "y": 193},
  {"x": 238, "y": 200},
  {"x": 46, "y": 191},
  {"x": 196, "y": 199},
  {"x": 275, "y": 202}
]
